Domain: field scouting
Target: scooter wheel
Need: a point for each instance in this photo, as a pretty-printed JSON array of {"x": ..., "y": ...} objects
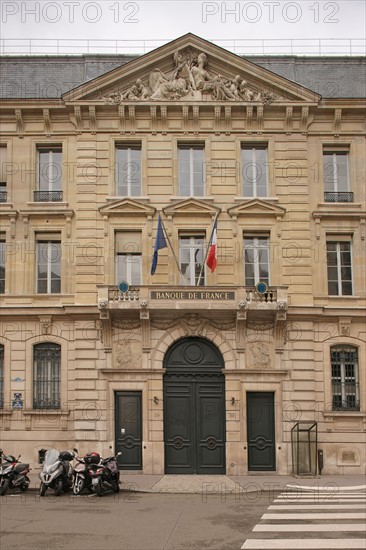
[
  {"x": 78, "y": 486},
  {"x": 58, "y": 488},
  {"x": 42, "y": 489},
  {"x": 98, "y": 489},
  {"x": 4, "y": 487}
]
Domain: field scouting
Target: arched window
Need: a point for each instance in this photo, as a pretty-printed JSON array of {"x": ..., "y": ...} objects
[
  {"x": 1, "y": 376},
  {"x": 345, "y": 385},
  {"x": 46, "y": 376}
]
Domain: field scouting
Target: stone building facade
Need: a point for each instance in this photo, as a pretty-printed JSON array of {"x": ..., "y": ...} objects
[{"x": 186, "y": 370}]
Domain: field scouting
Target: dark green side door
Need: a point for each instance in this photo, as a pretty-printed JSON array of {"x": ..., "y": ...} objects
[
  {"x": 261, "y": 431},
  {"x": 128, "y": 426}
]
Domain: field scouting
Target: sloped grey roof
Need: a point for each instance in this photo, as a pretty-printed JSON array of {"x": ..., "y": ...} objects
[{"x": 48, "y": 77}]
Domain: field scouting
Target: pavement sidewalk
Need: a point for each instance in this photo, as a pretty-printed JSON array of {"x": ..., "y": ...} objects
[{"x": 222, "y": 484}]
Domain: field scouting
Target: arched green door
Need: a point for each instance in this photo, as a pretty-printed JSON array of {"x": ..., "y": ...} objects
[{"x": 194, "y": 408}]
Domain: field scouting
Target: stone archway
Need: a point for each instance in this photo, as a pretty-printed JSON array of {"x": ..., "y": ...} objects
[{"x": 194, "y": 408}]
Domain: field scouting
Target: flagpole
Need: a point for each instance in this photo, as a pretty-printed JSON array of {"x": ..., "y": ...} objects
[
  {"x": 172, "y": 249},
  {"x": 207, "y": 250}
]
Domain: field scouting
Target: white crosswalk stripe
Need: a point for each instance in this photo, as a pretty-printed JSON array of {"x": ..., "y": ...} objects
[{"x": 319, "y": 519}]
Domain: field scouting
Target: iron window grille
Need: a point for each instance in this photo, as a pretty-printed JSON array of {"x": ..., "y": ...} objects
[
  {"x": 47, "y": 196},
  {"x": 47, "y": 376},
  {"x": 345, "y": 382},
  {"x": 340, "y": 196}
]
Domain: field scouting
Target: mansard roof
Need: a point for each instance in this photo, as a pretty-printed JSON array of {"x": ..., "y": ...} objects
[{"x": 50, "y": 77}]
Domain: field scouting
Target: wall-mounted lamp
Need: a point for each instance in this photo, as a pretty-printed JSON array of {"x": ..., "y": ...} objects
[
  {"x": 233, "y": 400},
  {"x": 156, "y": 400}
]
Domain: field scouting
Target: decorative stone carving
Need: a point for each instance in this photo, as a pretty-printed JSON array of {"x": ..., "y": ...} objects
[
  {"x": 46, "y": 324},
  {"x": 344, "y": 324},
  {"x": 102, "y": 304},
  {"x": 127, "y": 355},
  {"x": 190, "y": 79},
  {"x": 259, "y": 355},
  {"x": 241, "y": 311},
  {"x": 144, "y": 313},
  {"x": 193, "y": 324}
]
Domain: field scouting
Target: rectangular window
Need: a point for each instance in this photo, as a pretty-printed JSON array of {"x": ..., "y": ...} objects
[
  {"x": 3, "y": 174},
  {"x": 1, "y": 376},
  {"x": 339, "y": 268},
  {"x": 256, "y": 260},
  {"x": 48, "y": 254},
  {"x": 47, "y": 376},
  {"x": 345, "y": 385},
  {"x": 128, "y": 170},
  {"x": 254, "y": 171},
  {"x": 2, "y": 264},
  {"x": 191, "y": 170},
  {"x": 336, "y": 179},
  {"x": 49, "y": 174},
  {"x": 191, "y": 257},
  {"x": 128, "y": 247}
]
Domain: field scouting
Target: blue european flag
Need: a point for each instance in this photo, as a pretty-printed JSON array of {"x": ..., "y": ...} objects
[{"x": 160, "y": 242}]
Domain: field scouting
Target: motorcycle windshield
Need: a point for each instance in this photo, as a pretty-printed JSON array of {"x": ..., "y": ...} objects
[{"x": 51, "y": 457}]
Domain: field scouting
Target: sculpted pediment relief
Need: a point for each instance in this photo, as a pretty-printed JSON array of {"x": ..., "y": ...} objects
[
  {"x": 191, "y": 80},
  {"x": 256, "y": 207},
  {"x": 191, "y": 206},
  {"x": 190, "y": 69},
  {"x": 127, "y": 206}
]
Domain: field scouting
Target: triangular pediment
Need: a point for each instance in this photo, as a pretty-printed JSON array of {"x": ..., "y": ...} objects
[
  {"x": 191, "y": 207},
  {"x": 127, "y": 206},
  {"x": 190, "y": 69},
  {"x": 256, "y": 207}
]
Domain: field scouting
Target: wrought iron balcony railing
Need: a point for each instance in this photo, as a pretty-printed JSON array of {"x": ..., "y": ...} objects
[
  {"x": 3, "y": 196},
  {"x": 340, "y": 196},
  {"x": 47, "y": 196}
]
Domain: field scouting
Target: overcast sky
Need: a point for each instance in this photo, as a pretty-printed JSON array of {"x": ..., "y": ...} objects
[{"x": 167, "y": 19}]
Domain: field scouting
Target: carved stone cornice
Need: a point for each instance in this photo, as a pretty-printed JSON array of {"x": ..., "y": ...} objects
[
  {"x": 127, "y": 207},
  {"x": 54, "y": 210}
]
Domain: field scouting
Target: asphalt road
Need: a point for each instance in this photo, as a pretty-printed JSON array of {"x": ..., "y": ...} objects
[{"x": 129, "y": 521}]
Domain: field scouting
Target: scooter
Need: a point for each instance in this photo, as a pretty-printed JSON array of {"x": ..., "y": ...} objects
[
  {"x": 106, "y": 476},
  {"x": 82, "y": 472},
  {"x": 56, "y": 472},
  {"x": 13, "y": 474}
]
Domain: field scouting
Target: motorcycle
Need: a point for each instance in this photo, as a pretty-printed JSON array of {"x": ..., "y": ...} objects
[
  {"x": 106, "y": 476},
  {"x": 13, "y": 474},
  {"x": 56, "y": 472},
  {"x": 82, "y": 472}
]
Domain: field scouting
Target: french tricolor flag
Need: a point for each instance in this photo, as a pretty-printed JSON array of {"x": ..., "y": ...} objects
[{"x": 212, "y": 253}]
